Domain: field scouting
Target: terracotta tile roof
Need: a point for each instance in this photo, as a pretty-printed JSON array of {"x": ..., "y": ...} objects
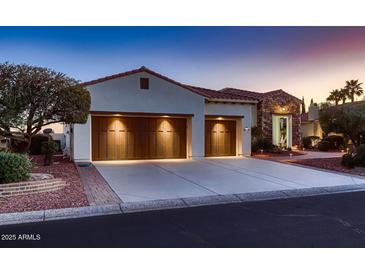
[
  {"x": 223, "y": 94},
  {"x": 279, "y": 92},
  {"x": 218, "y": 94},
  {"x": 241, "y": 92},
  {"x": 257, "y": 95}
]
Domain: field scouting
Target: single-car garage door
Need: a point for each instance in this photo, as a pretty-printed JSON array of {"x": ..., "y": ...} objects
[
  {"x": 220, "y": 138},
  {"x": 122, "y": 138}
]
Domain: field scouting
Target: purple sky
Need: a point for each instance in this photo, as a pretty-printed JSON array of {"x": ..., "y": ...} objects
[{"x": 305, "y": 61}]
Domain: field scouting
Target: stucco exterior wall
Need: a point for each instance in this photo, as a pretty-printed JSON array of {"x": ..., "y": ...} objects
[
  {"x": 253, "y": 115},
  {"x": 125, "y": 95},
  {"x": 246, "y": 123},
  {"x": 312, "y": 128}
]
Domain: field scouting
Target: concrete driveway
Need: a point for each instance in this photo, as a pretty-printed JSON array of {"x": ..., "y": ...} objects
[{"x": 136, "y": 181}]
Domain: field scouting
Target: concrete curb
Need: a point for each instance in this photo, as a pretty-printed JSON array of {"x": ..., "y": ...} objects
[{"x": 153, "y": 205}]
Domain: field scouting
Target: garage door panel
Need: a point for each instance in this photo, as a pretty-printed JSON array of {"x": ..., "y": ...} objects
[
  {"x": 220, "y": 138},
  {"x": 118, "y": 138}
]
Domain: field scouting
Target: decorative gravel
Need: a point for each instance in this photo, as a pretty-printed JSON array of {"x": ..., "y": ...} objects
[
  {"x": 73, "y": 195},
  {"x": 331, "y": 164},
  {"x": 282, "y": 154}
]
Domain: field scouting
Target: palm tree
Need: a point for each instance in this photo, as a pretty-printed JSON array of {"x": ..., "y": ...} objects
[
  {"x": 335, "y": 96},
  {"x": 344, "y": 94},
  {"x": 354, "y": 88}
]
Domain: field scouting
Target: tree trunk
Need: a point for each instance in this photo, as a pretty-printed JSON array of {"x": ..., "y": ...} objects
[{"x": 48, "y": 159}]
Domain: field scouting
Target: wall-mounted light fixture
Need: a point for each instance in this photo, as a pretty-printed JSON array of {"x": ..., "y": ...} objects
[
  {"x": 220, "y": 118},
  {"x": 165, "y": 116},
  {"x": 246, "y": 129}
]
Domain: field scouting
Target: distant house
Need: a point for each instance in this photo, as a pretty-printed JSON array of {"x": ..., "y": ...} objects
[
  {"x": 141, "y": 114},
  {"x": 310, "y": 125}
]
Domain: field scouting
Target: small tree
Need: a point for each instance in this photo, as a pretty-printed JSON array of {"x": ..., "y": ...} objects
[
  {"x": 33, "y": 97},
  {"x": 348, "y": 121}
]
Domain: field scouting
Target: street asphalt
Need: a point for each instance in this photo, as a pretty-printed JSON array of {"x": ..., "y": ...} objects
[{"x": 336, "y": 220}]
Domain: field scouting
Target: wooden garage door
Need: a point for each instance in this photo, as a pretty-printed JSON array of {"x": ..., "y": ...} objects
[
  {"x": 121, "y": 138},
  {"x": 220, "y": 138}
]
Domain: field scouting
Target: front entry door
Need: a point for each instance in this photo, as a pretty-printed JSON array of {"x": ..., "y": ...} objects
[{"x": 282, "y": 130}]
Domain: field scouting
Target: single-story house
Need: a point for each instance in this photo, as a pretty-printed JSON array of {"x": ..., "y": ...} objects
[{"x": 141, "y": 114}]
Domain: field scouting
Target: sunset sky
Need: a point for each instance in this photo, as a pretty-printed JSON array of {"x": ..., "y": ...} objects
[{"x": 304, "y": 61}]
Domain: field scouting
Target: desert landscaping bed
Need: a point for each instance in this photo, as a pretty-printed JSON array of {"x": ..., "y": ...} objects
[
  {"x": 331, "y": 164},
  {"x": 282, "y": 154},
  {"x": 72, "y": 195}
]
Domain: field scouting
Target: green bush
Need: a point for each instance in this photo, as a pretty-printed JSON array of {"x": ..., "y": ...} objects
[
  {"x": 254, "y": 147},
  {"x": 14, "y": 167},
  {"x": 336, "y": 142},
  {"x": 310, "y": 141},
  {"x": 261, "y": 143},
  {"x": 275, "y": 149},
  {"x": 348, "y": 161},
  {"x": 36, "y": 144},
  {"x": 324, "y": 146},
  {"x": 48, "y": 149},
  {"x": 359, "y": 157}
]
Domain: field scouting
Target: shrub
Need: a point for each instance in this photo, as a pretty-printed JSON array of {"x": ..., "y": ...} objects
[
  {"x": 36, "y": 144},
  {"x": 19, "y": 146},
  {"x": 261, "y": 143},
  {"x": 324, "y": 146},
  {"x": 310, "y": 141},
  {"x": 256, "y": 132},
  {"x": 14, "y": 167},
  {"x": 359, "y": 157},
  {"x": 275, "y": 149},
  {"x": 254, "y": 147},
  {"x": 336, "y": 141},
  {"x": 348, "y": 161},
  {"x": 48, "y": 149}
]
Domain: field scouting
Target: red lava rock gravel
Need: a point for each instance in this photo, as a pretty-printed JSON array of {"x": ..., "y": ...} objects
[
  {"x": 72, "y": 195},
  {"x": 269, "y": 155},
  {"x": 331, "y": 164}
]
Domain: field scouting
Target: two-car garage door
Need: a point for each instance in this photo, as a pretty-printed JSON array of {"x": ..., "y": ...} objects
[
  {"x": 131, "y": 138},
  {"x": 122, "y": 138}
]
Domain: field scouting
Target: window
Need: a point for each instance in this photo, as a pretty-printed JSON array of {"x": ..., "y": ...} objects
[{"x": 144, "y": 83}]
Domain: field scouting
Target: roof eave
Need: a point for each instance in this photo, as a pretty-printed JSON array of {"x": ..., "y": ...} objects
[{"x": 219, "y": 100}]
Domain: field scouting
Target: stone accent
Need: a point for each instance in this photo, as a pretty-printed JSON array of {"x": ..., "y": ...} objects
[
  {"x": 41, "y": 176},
  {"x": 30, "y": 187},
  {"x": 279, "y": 102}
]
